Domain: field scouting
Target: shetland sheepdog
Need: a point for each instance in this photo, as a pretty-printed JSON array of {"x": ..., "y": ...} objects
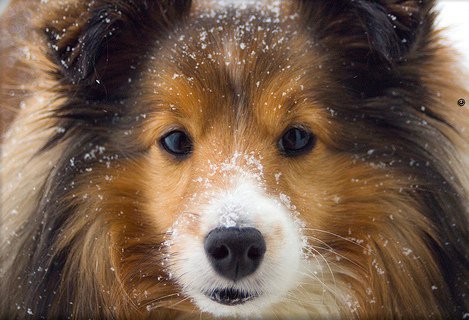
[{"x": 272, "y": 159}]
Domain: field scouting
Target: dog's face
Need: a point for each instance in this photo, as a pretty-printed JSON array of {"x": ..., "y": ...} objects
[{"x": 240, "y": 172}]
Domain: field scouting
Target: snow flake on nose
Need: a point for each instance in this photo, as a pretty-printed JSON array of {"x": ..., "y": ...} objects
[
  {"x": 246, "y": 165},
  {"x": 231, "y": 214}
]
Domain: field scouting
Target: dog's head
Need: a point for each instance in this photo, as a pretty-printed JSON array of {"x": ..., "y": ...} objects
[{"x": 252, "y": 157}]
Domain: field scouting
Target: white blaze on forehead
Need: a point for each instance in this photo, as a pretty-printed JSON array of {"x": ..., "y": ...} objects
[
  {"x": 235, "y": 207},
  {"x": 246, "y": 204}
]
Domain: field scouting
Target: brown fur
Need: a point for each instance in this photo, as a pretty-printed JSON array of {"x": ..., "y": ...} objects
[{"x": 87, "y": 195}]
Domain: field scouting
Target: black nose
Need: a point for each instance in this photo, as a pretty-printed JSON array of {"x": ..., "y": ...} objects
[{"x": 235, "y": 252}]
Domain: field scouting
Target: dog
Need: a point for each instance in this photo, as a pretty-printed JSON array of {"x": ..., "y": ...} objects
[{"x": 271, "y": 159}]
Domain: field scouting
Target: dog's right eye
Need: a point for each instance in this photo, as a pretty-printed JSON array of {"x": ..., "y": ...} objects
[
  {"x": 296, "y": 141},
  {"x": 177, "y": 143}
]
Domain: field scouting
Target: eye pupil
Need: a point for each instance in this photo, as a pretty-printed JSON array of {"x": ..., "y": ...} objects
[
  {"x": 177, "y": 143},
  {"x": 296, "y": 141}
]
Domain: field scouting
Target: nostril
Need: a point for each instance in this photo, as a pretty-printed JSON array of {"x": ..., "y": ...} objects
[
  {"x": 255, "y": 253},
  {"x": 219, "y": 253}
]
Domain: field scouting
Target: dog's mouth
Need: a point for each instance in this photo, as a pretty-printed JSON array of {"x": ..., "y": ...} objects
[{"x": 230, "y": 296}]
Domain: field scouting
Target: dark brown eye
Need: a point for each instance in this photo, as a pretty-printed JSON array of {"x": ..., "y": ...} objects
[
  {"x": 177, "y": 143},
  {"x": 296, "y": 141}
]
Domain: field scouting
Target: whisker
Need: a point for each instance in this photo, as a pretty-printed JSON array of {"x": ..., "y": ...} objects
[
  {"x": 179, "y": 302},
  {"x": 309, "y": 248},
  {"x": 313, "y": 276},
  {"x": 161, "y": 301},
  {"x": 336, "y": 235},
  {"x": 304, "y": 302},
  {"x": 327, "y": 263},
  {"x": 305, "y": 291},
  {"x": 333, "y": 251}
]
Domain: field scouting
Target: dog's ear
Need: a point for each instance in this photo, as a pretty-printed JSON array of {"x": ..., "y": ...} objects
[
  {"x": 381, "y": 30},
  {"x": 96, "y": 39},
  {"x": 370, "y": 40}
]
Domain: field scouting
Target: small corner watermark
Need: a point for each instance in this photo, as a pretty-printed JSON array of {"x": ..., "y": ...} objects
[{"x": 461, "y": 102}]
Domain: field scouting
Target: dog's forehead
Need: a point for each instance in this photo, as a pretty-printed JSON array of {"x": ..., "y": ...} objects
[{"x": 246, "y": 61}]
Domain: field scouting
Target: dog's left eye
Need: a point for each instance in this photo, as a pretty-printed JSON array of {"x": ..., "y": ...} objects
[
  {"x": 177, "y": 143},
  {"x": 296, "y": 141}
]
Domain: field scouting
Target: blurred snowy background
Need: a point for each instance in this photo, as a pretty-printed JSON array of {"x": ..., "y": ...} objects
[{"x": 454, "y": 16}]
